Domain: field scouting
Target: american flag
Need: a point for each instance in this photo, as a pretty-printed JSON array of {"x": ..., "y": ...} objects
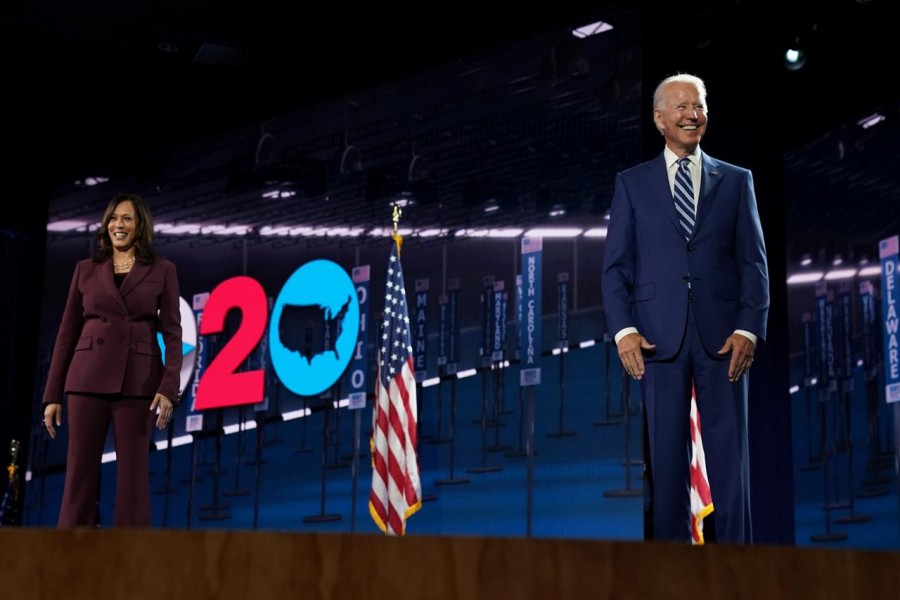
[
  {"x": 888, "y": 246},
  {"x": 396, "y": 489},
  {"x": 701, "y": 498}
]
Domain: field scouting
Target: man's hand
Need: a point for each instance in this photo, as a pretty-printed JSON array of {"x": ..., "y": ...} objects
[
  {"x": 630, "y": 350},
  {"x": 742, "y": 350}
]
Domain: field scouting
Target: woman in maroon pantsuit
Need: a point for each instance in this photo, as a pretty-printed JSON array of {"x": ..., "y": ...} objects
[{"x": 109, "y": 364}]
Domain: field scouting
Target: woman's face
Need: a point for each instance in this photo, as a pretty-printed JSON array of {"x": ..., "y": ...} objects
[{"x": 122, "y": 226}]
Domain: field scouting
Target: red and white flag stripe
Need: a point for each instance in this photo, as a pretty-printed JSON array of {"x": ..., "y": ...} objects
[
  {"x": 396, "y": 488},
  {"x": 701, "y": 498}
]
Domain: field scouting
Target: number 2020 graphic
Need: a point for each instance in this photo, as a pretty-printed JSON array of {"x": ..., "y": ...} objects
[{"x": 312, "y": 334}]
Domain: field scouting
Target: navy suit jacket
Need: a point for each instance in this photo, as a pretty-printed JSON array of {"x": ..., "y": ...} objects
[
  {"x": 107, "y": 339},
  {"x": 649, "y": 268}
]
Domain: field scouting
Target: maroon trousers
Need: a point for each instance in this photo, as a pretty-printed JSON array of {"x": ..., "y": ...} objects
[{"x": 88, "y": 419}]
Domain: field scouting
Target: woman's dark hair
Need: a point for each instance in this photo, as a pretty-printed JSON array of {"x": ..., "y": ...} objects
[{"x": 143, "y": 230}]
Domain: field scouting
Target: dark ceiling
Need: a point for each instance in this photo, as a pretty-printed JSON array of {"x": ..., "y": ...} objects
[
  {"x": 531, "y": 118},
  {"x": 99, "y": 73},
  {"x": 494, "y": 103}
]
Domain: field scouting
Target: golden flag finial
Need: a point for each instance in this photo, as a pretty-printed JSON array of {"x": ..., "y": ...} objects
[{"x": 396, "y": 235}]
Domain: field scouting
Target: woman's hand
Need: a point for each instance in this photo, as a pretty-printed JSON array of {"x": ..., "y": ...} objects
[
  {"x": 52, "y": 418},
  {"x": 166, "y": 409}
]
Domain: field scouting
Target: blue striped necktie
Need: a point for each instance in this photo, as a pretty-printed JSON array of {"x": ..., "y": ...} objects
[{"x": 684, "y": 196}]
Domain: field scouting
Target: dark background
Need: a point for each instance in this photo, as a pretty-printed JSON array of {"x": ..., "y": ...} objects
[{"x": 90, "y": 89}]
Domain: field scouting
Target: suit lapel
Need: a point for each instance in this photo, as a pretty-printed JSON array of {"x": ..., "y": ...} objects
[
  {"x": 137, "y": 273},
  {"x": 709, "y": 183},
  {"x": 659, "y": 178},
  {"x": 108, "y": 281}
]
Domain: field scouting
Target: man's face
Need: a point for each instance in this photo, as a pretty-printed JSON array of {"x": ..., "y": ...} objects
[{"x": 682, "y": 117}]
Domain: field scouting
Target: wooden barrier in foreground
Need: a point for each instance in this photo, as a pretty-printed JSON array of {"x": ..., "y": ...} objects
[{"x": 166, "y": 564}]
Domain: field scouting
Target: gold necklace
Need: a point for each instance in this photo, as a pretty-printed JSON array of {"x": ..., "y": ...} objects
[{"x": 124, "y": 266}]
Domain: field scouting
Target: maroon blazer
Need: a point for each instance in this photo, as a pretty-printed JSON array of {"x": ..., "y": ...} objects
[{"x": 107, "y": 339}]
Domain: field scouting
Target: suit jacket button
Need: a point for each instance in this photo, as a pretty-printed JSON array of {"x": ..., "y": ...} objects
[
  {"x": 686, "y": 279},
  {"x": 690, "y": 247}
]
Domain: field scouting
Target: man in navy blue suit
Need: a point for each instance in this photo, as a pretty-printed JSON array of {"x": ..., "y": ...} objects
[{"x": 686, "y": 293}]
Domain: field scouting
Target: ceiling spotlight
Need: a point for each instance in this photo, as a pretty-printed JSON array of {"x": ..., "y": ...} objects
[
  {"x": 92, "y": 181},
  {"x": 591, "y": 29},
  {"x": 403, "y": 200},
  {"x": 871, "y": 121},
  {"x": 557, "y": 203},
  {"x": 490, "y": 196},
  {"x": 795, "y": 56},
  {"x": 557, "y": 210}
]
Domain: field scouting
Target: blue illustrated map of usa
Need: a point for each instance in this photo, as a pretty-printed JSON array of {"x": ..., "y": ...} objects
[{"x": 315, "y": 326}]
